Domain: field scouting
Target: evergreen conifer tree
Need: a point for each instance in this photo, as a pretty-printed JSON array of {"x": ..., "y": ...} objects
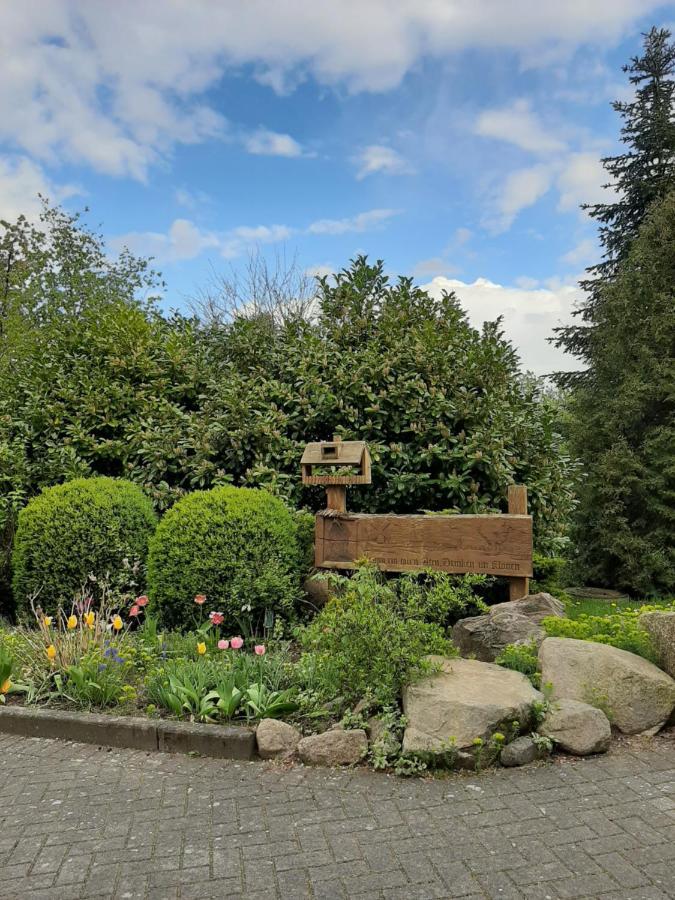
[{"x": 641, "y": 175}]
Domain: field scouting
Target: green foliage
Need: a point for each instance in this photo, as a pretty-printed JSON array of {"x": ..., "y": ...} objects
[
  {"x": 623, "y": 422},
  {"x": 641, "y": 176},
  {"x": 93, "y": 379},
  {"x": 222, "y": 689},
  {"x": 619, "y": 630},
  {"x": 6, "y": 667},
  {"x": 364, "y": 641},
  {"x": 522, "y": 658},
  {"x": 95, "y": 682},
  {"x": 548, "y": 573},
  {"x": 449, "y": 420},
  {"x": 238, "y": 546},
  {"x": 438, "y": 597},
  {"x": 86, "y": 527}
]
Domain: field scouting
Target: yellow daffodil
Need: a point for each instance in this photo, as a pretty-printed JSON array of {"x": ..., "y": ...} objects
[
  {"x": 47, "y": 621},
  {"x": 89, "y": 619},
  {"x": 72, "y": 622},
  {"x": 5, "y": 686},
  {"x": 201, "y": 649},
  {"x": 117, "y": 623},
  {"x": 51, "y": 652}
]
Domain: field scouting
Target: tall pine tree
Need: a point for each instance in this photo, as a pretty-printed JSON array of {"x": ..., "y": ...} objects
[
  {"x": 642, "y": 175},
  {"x": 623, "y": 420},
  {"x": 622, "y": 405}
]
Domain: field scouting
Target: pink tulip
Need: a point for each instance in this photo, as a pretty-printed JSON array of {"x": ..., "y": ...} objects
[
  {"x": 259, "y": 649},
  {"x": 135, "y": 610},
  {"x": 200, "y": 599},
  {"x": 217, "y": 618},
  {"x": 237, "y": 643},
  {"x": 142, "y": 600},
  {"x": 223, "y": 645}
]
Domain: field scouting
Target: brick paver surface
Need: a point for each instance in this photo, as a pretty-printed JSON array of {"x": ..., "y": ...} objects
[{"x": 77, "y": 821}]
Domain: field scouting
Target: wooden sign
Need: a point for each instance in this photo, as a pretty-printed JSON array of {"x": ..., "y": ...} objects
[{"x": 491, "y": 545}]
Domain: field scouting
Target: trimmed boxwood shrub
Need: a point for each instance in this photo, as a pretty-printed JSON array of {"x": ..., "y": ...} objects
[
  {"x": 239, "y": 546},
  {"x": 87, "y": 526}
]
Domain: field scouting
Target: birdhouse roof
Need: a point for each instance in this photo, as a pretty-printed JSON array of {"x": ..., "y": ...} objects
[{"x": 349, "y": 453}]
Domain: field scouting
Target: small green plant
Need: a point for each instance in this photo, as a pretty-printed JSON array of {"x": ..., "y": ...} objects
[
  {"x": 541, "y": 708},
  {"x": 542, "y": 742},
  {"x": 522, "y": 658},
  {"x": 6, "y": 666},
  {"x": 362, "y": 641},
  {"x": 620, "y": 629},
  {"x": 407, "y": 765}
]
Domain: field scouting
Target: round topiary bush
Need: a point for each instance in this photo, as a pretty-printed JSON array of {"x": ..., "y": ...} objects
[
  {"x": 238, "y": 546},
  {"x": 89, "y": 526}
]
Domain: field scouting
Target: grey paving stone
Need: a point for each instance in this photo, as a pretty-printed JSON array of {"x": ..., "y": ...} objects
[{"x": 81, "y": 823}]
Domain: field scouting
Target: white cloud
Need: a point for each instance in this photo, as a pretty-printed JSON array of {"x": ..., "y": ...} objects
[
  {"x": 21, "y": 181},
  {"x": 437, "y": 265},
  {"x": 320, "y": 270},
  {"x": 185, "y": 240},
  {"x": 517, "y": 124},
  {"x": 362, "y": 222},
  {"x": 584, "y": 252},
  {"x": 529, "y": 316},
  {"x": 519, "y": 190},
  {"x": 581, "y": 180},
  {"x": 378, "y": 158},
  {"x": 526, "y": 282},
  {"x": 270, "y": 143},
  {"x": 238, "y": 239},
  {"x": 116, "y": 85}
]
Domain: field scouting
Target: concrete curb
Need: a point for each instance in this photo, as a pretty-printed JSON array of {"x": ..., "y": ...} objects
[{"x": 132, "y": 733}]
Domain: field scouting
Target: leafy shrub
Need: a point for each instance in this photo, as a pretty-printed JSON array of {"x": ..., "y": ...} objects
[
  {"x": 619, "y": 630},
  {"x": 364, "y": 642},
  {"x": 238, "y": 546},
  {"x": 440, "y": 598},
  {"x": 448, "y": 417},
  {"x": 522, "y": 658},
  {"x": 86, "y": 527},
  {"x": 548, "y": 573}
]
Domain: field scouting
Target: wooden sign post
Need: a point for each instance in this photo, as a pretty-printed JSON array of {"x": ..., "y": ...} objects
[{"x": 499, "y": 544}]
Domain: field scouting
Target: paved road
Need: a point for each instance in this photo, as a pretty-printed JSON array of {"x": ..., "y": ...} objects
[{"x": 80, "y": 822}]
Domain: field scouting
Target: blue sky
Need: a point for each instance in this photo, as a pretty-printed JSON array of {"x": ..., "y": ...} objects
[{"x": 454, "y": 139}]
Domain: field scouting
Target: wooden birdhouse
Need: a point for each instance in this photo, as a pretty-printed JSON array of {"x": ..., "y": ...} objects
[{"x": 336, "y": 464}]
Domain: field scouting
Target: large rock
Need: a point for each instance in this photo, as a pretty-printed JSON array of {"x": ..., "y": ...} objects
[
  {"x": 467, "y": 699},
  {"x": 337, "y": 747},
  {"x": 276, "y": 739},
  {"x": 535, "y": 606},
  {"x": 660, "y": 626},
  {"x": 515, "y": 622},
  {"x": 635, "y": 694},
  {"x": 486, "y": 636},
  {"x": 577, "y": 727}
]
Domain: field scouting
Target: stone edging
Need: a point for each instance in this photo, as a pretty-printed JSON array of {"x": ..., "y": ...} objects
[{"x": 130, "y": 732}]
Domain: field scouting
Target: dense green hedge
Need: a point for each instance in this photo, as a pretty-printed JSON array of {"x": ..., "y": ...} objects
[
  {"x": 239, "y": 546},
  {"x": 88, "y": 526}
]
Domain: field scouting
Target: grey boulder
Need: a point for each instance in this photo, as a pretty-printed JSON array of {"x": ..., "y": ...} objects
[
  {"x": 337, "y": 747},
  {"x": 577, "y": 727},
  {"x": 276, "y": 739},
  {"x": 660, "y": 626},
  {"x": 515, "y": 622},
  {"x": 465, "y": 700},
  {"x": 520, "y": 752},
  {"x": 634, "y": 693}
]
